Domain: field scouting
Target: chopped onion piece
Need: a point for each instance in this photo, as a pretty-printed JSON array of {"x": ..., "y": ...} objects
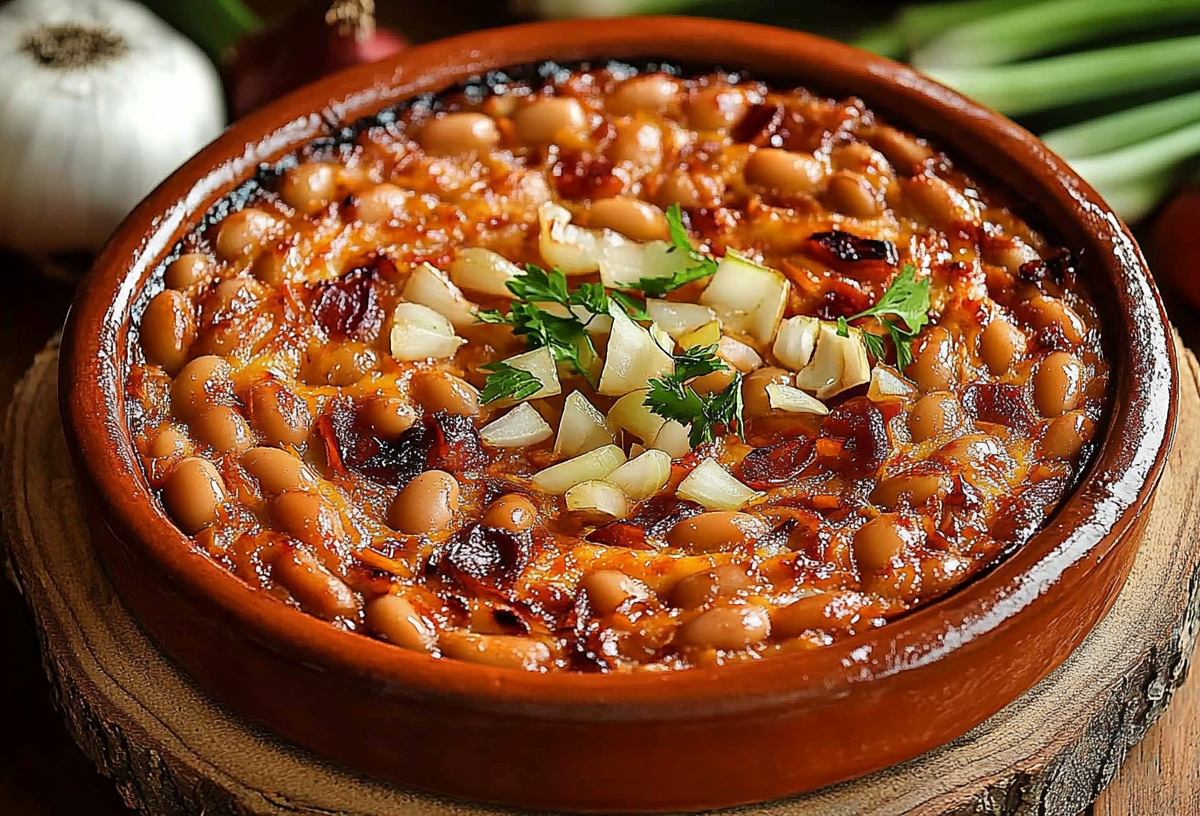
[
  {"x": 636, "y": 449},
  {"x": 541, "y": 364},
  {"x": 738, "y": 355},
  {"x": 748, "y": 297},
  {"x": 592, "y": 323},
  {"x": 634, "y": 356},
  {"x": 886, "y": 384},
  {"x": 786, "y": 398},
  {"x": 663, "y": 340},
  {"x": 644, "y": 475},
  {"x": 481, "y": 270},
  {"x": 673, "y": 439},
  {"x": 707, "y": 335},
  {"x": 595, "y": 464},
  {"x": 599, "y": 498},
  {"x": 715, "y": 488},
  {"x": 430, "y": 287},
  {"x": 582, "y": 427},
  {"x": 631, "y": 414},
  {"x": 519, "y": 428},
  {"x": 573, "y": 249},
  {"x": 838, "y": 363},
  {"x": 679, "y": 319},
  {"x": 796, "y": 340},
  {"x": 858, "y": 366},
  {"x": 626, "y": 263},
  {"x": 420, "y": 333}
]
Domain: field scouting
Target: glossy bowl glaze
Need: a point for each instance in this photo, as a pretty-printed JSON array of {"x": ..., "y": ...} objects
[{"x": 678, "y": 740}]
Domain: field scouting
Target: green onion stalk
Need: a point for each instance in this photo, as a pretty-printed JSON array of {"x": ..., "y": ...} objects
[
  {"x": 1057, "y": 60},
  {"x": 214, "y": 25}
]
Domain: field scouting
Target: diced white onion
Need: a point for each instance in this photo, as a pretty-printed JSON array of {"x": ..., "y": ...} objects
[
  {"x": 644, "y": 475},
  {"x": 573, "y": 249},
  {"x": 519, "y": 428},
  {"x": 786, "y": 398},
  {"x": 633, "y": 357},
  {"x": 430, "y": 287},
  {"x": 747, "y": 297},
  {"x": 886, "y": 384},
  {"x": 420, "y": 333},
  {"x": 636, "y": 449},
  {"x": 627, "y": 263},
  {"x": 599, "y": 498},
  {"x": 796, "y": 340},
  {"x": 679, "y": 319},
  {"x": 631, "y": 415},
  {"x": 480, "y": 270},
  {"x": 595, "y": 464},
  {"x": 707, "y": 335},
  {"x": 858, "y": 366},
  {"x": 541, "y": 364},
  {"x": 592, "y": 323},
  {"x": 582, "y": 427},
  {"x": 839, "y": 363},
  {"x": 715, "y": 488},
  {"x": 673, "y": 439},
  {"x": 738, "y": 355},
  {"x": 661, "y": 339}
]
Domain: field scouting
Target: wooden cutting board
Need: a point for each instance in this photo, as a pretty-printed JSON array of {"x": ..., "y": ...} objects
[{"x": 171, "y": 750}]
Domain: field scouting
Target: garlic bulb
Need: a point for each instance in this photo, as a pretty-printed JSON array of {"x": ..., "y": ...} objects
[{"x": 99, "y": 103}]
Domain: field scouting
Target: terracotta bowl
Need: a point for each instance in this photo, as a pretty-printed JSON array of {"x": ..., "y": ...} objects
[{"x": 683, "y": 740}]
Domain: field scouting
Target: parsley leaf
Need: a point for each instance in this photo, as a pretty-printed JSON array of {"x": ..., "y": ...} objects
[
  {"x": 538, "y": 285},
  {"x": 590, "y": 296},
  {"x": 671, "y": 398},
  {"x": 633, "y": 307},
  {"x": 505, "y": 381},
  {"x": 565, "y": 335},
  {"x": 906, "y": 299},
  {"x": 698, "y": 361},
  {"x": 703, "y": 265}
]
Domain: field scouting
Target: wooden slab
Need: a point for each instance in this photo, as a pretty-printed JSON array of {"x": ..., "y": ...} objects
[{"x": 172, "y": 750}]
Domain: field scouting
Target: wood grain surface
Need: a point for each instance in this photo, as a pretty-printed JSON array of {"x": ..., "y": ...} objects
[{"x": 172, "y": 751}]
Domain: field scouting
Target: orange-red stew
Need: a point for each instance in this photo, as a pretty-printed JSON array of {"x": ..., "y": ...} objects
[{"x": 316, "y": 408}]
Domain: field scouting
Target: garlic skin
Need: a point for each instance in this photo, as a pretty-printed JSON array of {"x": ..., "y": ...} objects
[{"x": 100, "y": 102}]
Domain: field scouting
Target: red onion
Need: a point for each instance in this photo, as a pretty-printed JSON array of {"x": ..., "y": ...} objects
[{"x": 318, "y": 39}]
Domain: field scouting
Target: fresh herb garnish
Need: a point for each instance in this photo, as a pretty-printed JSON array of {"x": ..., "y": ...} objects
[
  {"x": 703, "y": 265},
  {"x": 565, "y": 335},
  {"x": 671, "y": 398},
  {"x": 633, "y": 307},
  {"x": 505, "y": 381},
  {"x": 536, "y": 285},
  {"x": 906, "y": 299}
]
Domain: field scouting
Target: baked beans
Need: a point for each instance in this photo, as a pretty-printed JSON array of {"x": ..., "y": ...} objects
[{"x": 323, "y": 420}]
